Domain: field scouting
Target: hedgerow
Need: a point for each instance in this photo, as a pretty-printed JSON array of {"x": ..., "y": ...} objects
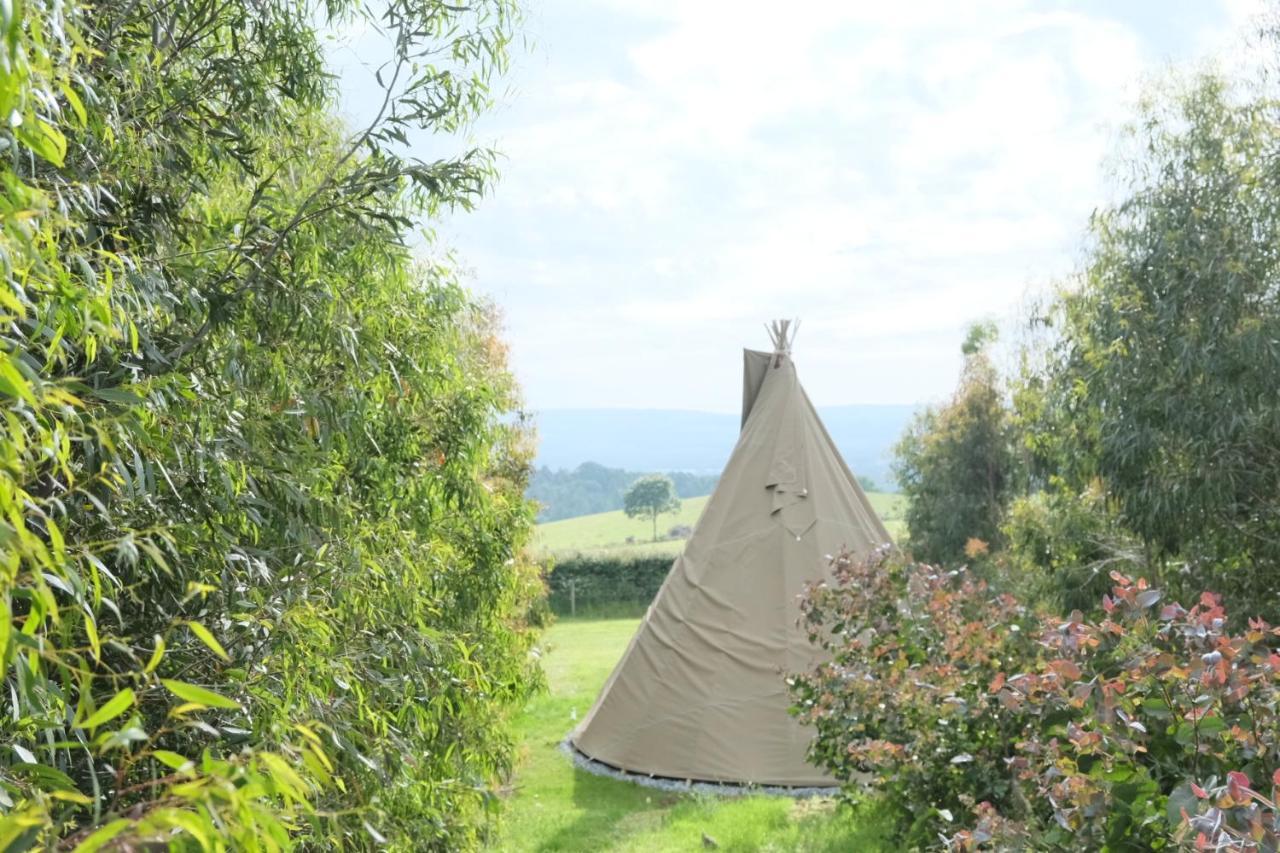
[
  {"x": 605, "y": 583},
  {"x": 261, "y": 508},
  {"x": 988, "y": 725}
]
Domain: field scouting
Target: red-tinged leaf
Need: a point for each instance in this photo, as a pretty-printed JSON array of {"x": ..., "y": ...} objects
[
  {"x": 1235, "y": 777},
  {"x": 1065, "y": 669},
  {"x": 1275, "y": 778},
  {"x": 996, "y": 683},
  {"x": 1201, "y": 792}
]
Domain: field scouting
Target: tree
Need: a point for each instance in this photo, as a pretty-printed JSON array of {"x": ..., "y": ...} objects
[
  {"x": 261, "y": 498},
  {"x": 650, "y": 497},
  {"x": 1169, "y": 347},
  {"x": 955, "y": 463}
]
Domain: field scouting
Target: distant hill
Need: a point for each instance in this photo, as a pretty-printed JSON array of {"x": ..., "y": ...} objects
[
  {"x": 673, "y": 440},
  {"x": 592, "y": 488}
]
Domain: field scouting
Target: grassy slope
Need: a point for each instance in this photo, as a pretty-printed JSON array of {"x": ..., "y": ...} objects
[
  {"x": 608, "y": 531},
  {"x": 555, "y": 806}
]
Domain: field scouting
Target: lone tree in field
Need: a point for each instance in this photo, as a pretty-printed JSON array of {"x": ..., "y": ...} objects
[{"x": 650, "y": 497}]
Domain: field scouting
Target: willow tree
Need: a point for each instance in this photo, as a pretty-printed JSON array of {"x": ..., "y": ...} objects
[{"x": 261, "y": 508}]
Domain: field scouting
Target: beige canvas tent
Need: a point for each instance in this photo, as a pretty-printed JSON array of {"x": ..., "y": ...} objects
[{"x": 700, "y": 693}]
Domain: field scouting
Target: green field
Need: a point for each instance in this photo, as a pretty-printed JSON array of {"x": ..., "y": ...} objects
[
  {"x": 553, "y": 806},
  {"x": 608, "y": 531}
]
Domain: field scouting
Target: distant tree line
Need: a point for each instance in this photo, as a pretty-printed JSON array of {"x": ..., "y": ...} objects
[{"x": 591, "y": 488}]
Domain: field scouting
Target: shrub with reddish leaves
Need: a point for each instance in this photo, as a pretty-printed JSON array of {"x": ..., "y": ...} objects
[
  {"x": 1153, "y": 722},
  {"x": 908, "y": 694},
  {"x": 1149, "y": 728}
]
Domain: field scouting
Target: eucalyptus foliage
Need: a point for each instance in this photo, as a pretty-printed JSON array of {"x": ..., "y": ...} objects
[
  {"x": 261, "y": 508},
  {"x": 1162, "y": 377},
  {"x": 956, "y": 464}
]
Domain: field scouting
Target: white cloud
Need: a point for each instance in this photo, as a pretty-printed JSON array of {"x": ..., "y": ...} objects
[{"x": 678, "y": 172}]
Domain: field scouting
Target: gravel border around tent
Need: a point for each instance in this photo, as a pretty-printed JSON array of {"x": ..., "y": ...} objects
[{"x": 688, "y": 786}]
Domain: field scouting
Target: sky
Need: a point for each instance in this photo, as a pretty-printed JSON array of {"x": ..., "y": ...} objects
[{"x": 675, "y": 173}]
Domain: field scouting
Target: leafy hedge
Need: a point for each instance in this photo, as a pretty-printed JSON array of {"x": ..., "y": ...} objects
[
  {"x": 994, "y": 727},
  {"x": 605, "y": 583},
  {"x": 261, "y": 508}
]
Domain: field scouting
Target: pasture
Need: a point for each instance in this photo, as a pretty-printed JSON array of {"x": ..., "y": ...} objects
[{"x": 608, "y": 531}]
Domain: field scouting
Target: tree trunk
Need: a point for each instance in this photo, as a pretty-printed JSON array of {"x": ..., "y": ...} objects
[{"x": 655, "y": 526}]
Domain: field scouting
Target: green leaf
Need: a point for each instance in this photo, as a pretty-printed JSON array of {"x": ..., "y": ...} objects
[
  {"x": 208, "y": 639},
  {"x": 13, "y": 383},
  {"x": 172, "y": 759},
  {"x": 77, "y": 106},
  {"x": 199, "y": 695},
  {"x": 156, "y": 655},
  {"x": 118, "y": 395},
  {"x": 91, "y": 631},
  {"x": 101, "y": 836},
  {"x": 114, "y": 707},
  {"x": 6, "y": 626},
  {"x": 285, "y": 776},
  {"x": 45, "y": 140}
]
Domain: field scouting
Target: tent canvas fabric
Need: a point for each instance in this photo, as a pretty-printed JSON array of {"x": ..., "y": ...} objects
[{"x": 701, "y": 693}]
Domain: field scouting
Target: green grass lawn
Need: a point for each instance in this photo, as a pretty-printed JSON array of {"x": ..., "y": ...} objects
[
  {"x": 551, "y": 805},
  {"x": 608, "y": 531}
]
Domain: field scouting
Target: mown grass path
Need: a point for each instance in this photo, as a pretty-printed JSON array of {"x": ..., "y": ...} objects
[{"x": 553, "y": 806}]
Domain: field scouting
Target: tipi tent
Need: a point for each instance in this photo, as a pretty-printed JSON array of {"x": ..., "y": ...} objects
[{"x": 700, "y": 693}]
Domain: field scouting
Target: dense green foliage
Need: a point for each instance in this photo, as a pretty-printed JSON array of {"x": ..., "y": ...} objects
[
  {"x": 592, "y": 488},
  {"x": 605, "y": 584},
  {"x": 1161, "y": 379},
  {"x": 955, "y": 462},
  {"x": 995, "y": 727},
  {"x": 650, "y": 497},
  {"x": 1142, "y": 431},
  {"x": 260, "y": 496}
]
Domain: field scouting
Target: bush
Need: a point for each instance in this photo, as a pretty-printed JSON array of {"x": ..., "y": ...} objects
[
  {"x": 907, "y": 692},
  {"x": 1151, "y": 727},
  {"x": 1061, "y": 546},
  {"x": 1155, "y": 724},
  {"x": 605, "y": 584},
  {"x": 261, "y": 508}
]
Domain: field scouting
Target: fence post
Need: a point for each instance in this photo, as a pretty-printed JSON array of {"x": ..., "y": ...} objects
[{"x": 573, "y": 596}]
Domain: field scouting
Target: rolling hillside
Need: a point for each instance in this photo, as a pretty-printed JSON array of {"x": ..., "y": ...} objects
[{"x": 608, "y": 531}]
